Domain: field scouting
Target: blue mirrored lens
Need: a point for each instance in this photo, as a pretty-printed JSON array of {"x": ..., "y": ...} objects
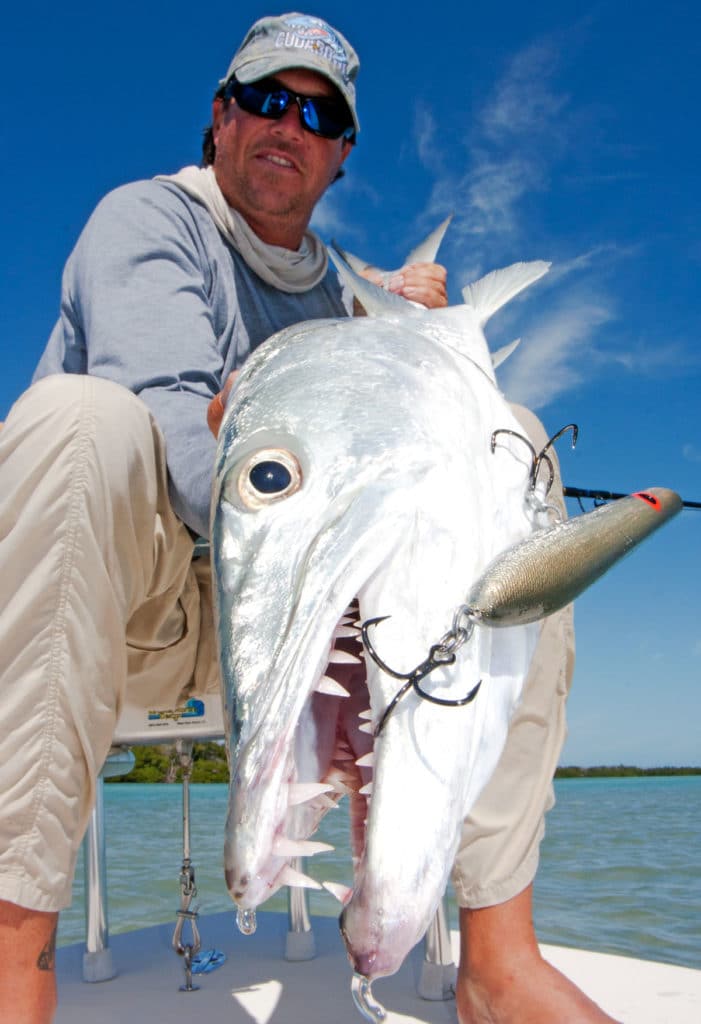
[
  {"x": 318, "y": 114},
  {"x": 274, "y": 104},
  {"x": 310, "y": 115}
]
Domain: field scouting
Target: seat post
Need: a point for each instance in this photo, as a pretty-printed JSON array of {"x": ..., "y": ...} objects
[
  {"x": 438, "y": 971},
  {"x": 97, "y": 958}
]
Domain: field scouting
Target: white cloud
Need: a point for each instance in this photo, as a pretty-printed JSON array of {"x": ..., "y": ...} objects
[
  {"x": 525, "y": 126},
  {"x": 598, "y": 257},
  {"x": 650, "y": 359},
  {"x": 333, "y": 218},
  {"x": 493, "y": 189},
  {"x": 523, "y": 103},
  {"x": 692, "y": 454},
  {"x": 328, "y": 219},
  {"x": 551, "y": 359},
  {"x": 519, "y": 132},
  {"x": 425, "y": 137}
]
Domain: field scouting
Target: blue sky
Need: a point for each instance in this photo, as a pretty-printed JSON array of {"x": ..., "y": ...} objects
[{"x": 558, "y": 131}]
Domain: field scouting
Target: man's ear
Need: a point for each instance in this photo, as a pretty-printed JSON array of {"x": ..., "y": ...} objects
[
  {"x": 217, "y": 115},
  {"x": 345, "y": 151}
]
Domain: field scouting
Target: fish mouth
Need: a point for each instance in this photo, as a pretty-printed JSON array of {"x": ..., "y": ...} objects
[
  {"x": 311, "y": 690},
  {"x": 344, "y": 707},
  {"x": 312, "y": 777}
]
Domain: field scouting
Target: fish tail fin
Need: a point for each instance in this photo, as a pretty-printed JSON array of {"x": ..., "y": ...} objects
[{"x": 495, "y": 289}]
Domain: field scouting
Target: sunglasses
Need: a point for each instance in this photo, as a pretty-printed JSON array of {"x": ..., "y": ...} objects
[{"x": 320, "y": 115}]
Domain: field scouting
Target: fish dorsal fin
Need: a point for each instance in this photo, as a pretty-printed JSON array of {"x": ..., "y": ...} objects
[
  {"x": 354, "y": 262},
  {"x": 427, "y": 250},
  {"x": 494, "y": 290},
  {"x": 504, "y": 352},
  {"x": 375, "y": 301}
]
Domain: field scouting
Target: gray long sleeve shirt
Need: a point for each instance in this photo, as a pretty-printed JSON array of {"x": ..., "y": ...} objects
[{"x": 155, "y": 299}]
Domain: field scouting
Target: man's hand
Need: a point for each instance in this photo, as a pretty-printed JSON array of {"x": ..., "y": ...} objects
[
  {"x": 419, "y": 282},
  {"x": 215, "y": 409}
]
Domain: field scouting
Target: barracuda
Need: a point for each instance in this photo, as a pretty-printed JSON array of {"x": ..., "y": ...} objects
[{"x": 356, "y": 463}]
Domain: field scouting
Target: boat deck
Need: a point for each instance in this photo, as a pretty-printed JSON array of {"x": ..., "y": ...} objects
[{"x": 257, "y": 985}]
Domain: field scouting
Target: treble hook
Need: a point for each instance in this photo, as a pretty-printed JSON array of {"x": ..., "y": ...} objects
[
  {"x": 541, "y": 457},
  {"x": 440, "y": 654}
]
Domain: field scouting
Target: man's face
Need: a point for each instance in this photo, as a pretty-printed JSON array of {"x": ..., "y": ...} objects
[{"x": 274, "y": 172}]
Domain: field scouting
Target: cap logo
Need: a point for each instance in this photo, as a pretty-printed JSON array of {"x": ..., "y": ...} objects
[{"x": 312, "y": 34}]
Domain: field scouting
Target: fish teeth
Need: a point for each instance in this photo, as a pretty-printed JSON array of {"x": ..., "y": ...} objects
[
  {"x": 345, "y": 631},
  {"x": 340, "y": 788},
  {"x": 301, "y": 792},
  {"x": 367, "y": 760},
  {"x": 288, "y": 876},
  {"x": 329, "y": 686},
  {"x": 341, "y": 892},
  {"x": 337, "y": 657},
  {"x": 366, "y": 790},
  {"x": 284, "y": 846},
  {"x": 366, "y": 727},
  {"x": 365, "y": 714}
]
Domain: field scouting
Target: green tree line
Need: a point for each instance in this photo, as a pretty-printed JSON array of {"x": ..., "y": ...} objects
[
  {"x": 160, "y": 764},
  {"x": 620, "y": 771}
]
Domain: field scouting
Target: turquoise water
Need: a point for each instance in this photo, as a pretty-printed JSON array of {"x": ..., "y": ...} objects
[{"x": 620, "y": 865}]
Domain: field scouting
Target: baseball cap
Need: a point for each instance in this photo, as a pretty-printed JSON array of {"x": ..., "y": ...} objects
[{"x": 297, "y": 41}]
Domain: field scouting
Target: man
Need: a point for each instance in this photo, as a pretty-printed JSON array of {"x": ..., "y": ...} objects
[{"x": 105, "y": 468}]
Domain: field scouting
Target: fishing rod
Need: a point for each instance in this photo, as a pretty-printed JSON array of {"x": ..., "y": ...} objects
[{"x": 602, "y": 496}]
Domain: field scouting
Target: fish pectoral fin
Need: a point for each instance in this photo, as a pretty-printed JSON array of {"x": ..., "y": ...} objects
[{"x": 503, "y": 353}]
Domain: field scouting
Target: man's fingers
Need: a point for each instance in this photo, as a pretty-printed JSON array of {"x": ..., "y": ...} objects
[
  {"x": 421, "y": 282},
  {"x": 215, "y": 409},
  {"x": 215, "y": 413}
]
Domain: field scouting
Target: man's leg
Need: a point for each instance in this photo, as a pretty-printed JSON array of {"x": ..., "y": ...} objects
[
  {"x": 88, "y": 544},
  {"x": 28, "y": 943},
  {"x": 502, "y": 978}
]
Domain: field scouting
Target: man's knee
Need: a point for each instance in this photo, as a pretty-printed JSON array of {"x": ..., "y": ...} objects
[{"x": 65, "y": 396}]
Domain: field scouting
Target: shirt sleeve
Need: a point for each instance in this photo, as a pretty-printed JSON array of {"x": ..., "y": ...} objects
[{"x": 137, "y": 303}]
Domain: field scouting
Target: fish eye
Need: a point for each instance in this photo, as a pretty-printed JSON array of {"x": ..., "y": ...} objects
[{"x": 267, "y": 476}]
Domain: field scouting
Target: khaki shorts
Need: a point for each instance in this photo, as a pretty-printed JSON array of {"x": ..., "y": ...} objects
[
  {"x": 91, "y": 552},
  {"x": 499, "y": 849}
]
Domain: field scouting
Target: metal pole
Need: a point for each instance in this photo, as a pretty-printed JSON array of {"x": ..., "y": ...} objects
[
  {"x": 188, "y": 890},
  {"x": 438, "y": 971},
  {"x": 300, "y": 944},
  {"x": 97, "y": 958}
]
